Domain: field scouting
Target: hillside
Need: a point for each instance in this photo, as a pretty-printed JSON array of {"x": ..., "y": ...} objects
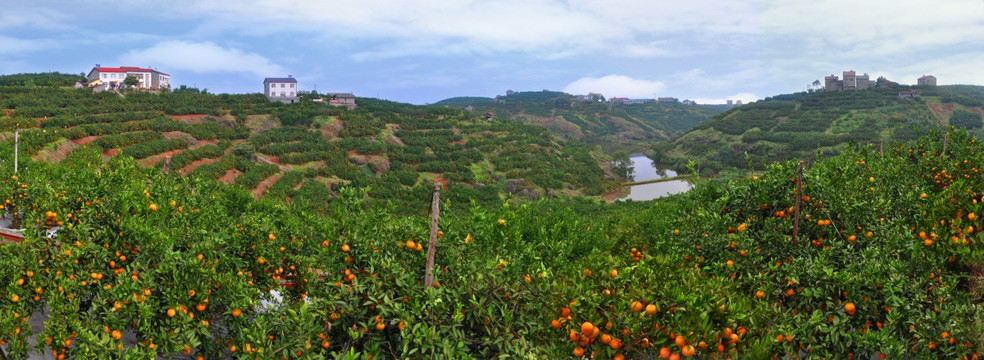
[
  {"x": 609, "y": 125},
  {"x": 304, "y": 151},
  {"x": 801, "y": 125}
]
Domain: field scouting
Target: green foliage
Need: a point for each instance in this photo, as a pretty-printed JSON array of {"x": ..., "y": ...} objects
[
  {"x": 799, "y": 125},
  {"x": 152, "y": 256},
  {"x": 965, "y": 119}
]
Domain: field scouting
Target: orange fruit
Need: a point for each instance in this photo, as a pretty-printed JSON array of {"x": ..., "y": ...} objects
[
  {"x": 345, "y": 248},
  {"x": 578, "y": 351},
  {"x": 380, "y": 326},
  {"x": 651, "y": 309},
  {"x": 153, "y": 207},
  {"x": 680, "y": 341},
  {"x": 171, "y": 313},
  {"x": 687, "y": 351},
  {"x": 613, "y": 274},
  {"x": 615, "y": 344},
  {"x": 664, "y": 353},
  {"x": 555, "y": 324},
  {"x": 587, "y": 328},
  {"x": 236, "y": 312},
  {"x": 606, "y": 338},
  {"x": 759, "y": 294},
  {"x": 411, "y": 245},
  {"x": 636, "y": 306},
  {"x": 849, "y": 308},
  {"x": 971, "y": 217}
]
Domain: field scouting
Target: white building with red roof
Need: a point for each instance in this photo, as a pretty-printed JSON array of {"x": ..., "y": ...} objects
[{"x": 105, "y": 78}]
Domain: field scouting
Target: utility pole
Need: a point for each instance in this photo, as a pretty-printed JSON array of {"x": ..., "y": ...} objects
[{"x": 16, "y": 142}]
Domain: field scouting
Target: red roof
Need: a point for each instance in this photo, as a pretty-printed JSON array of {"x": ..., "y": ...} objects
[
  {"x": 108, "y": 69},
  {"x": 849, "y": 73},
  {"x": 135, "y": 69}
]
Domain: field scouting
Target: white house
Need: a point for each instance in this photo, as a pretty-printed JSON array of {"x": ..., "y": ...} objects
[
  {"x": 104, "y": 78},
  {"x": 281, "y": 89}
]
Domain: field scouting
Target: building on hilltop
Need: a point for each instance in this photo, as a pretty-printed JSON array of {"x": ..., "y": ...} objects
[
  {"x": 851, "y": 81},
  {"x": 341, "y": 99},
  {"x": 667, "y": 99},
  {"x": 926, "y": 80},
  {"x": 281, "y": 89},
  {"x": 111, "y": 78}
]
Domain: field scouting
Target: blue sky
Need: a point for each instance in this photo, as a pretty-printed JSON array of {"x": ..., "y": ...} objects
[{"x": 423, "y": 51}]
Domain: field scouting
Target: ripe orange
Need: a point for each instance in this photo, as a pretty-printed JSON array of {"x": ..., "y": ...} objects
[
  {"x": 759, "y": 294},
  {"x": 565, "y": 312},
  {"x": 606, "y": 338},
  {"x": 971, "y": 217},
  {"x": 578, "y": 351},
  {"x": 587, "y": 328},
  {"x": 680, "y": 341},
  {"x": 117, "y": 334},
  {"x": 636, "y": 306},
  {"x": 687, "y": 351},
  {"x": 742, "y": 227},
  {"x": 325, "y": 344},
  {"x": 555, "y": 324},
  {"x": 345, "y": 248},
  {"x": 613, "y": 274},
  {"x": 236, "y": 312},
  {"x": 730, "y": 263},
  {"x": 849, "y": 307},
  {"x": 615, "y": 344},
  {"x": 200, "y": 307},
  {"x": 171, "y": 313},
  {"x": 153, "y": 207},
  {"x": 651, "y": 309},
  {"x": 380, "y": 326},
  {"x": 664, "y": 353},
  {"x": 410, "y": 245}
]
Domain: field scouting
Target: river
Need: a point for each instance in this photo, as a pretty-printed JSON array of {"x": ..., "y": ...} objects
[{"x": 644, "y": 170}]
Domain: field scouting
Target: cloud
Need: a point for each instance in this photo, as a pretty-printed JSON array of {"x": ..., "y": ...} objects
[
  {"x": 17, "y": 46},
  {"x": 615, "y": 86},
  {"x": 547, "y": 29},
  {"x": 201, "y": 57}
]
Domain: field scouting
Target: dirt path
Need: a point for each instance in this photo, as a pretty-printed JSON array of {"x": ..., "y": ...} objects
[
  {"x": 191, "y": 118},
  {"x": 154, "y": 159},
  {"x": 230, "y": 176},
  {"x": 262, "y": 187},
  {"x": 191, "y": 167},
  {"x": 85, "y": 140}
]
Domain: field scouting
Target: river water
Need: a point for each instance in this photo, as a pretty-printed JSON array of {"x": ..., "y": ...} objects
[{"x": 644, "y": 170}]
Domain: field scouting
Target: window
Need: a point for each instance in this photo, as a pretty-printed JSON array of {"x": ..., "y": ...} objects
[
  {"x": 291, "y": 86},
  {"x": 291, "y": 93},
  {"x": 282, "y": 85},
  {"x": 282, "y": 94}
]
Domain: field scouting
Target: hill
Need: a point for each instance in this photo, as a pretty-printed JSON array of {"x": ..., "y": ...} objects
[
  {"x": 801, "y": 125},
  {"x": 611, "y": 125},
  {"x": 304, "y": 151}
]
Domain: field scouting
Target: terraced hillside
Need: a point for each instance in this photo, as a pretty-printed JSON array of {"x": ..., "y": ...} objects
[
  {"x": 304, "y": 151},
  {"x": 607, "y": 124},
  {"x": 801, "y": 125}
]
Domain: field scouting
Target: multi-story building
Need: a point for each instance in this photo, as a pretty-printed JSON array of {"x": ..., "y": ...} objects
[
  {"x": 852, "y": 81},
  {"x": 926, "y": 80},
  {"x": 105, "y": 78},
  {"x": 281, "y": 89}
]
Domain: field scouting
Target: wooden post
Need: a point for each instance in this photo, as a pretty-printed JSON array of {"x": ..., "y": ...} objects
[
  {"x": 796, "y": 212},
  {"x": 16, "y": 143},
  {"x": 435, "y": 210}
]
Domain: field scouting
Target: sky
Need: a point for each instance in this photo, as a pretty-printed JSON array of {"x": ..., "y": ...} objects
[{"x": 424, "y": 51}]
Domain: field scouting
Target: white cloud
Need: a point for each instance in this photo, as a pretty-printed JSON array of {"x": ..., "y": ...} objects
[
  {"x": 201, "y": 57},
  {"x": 744, "y": 97},
  {"x": 544, "y": 28},
  {"x": 15, "y": 46},
  {"x": 615, "y": 86}
]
